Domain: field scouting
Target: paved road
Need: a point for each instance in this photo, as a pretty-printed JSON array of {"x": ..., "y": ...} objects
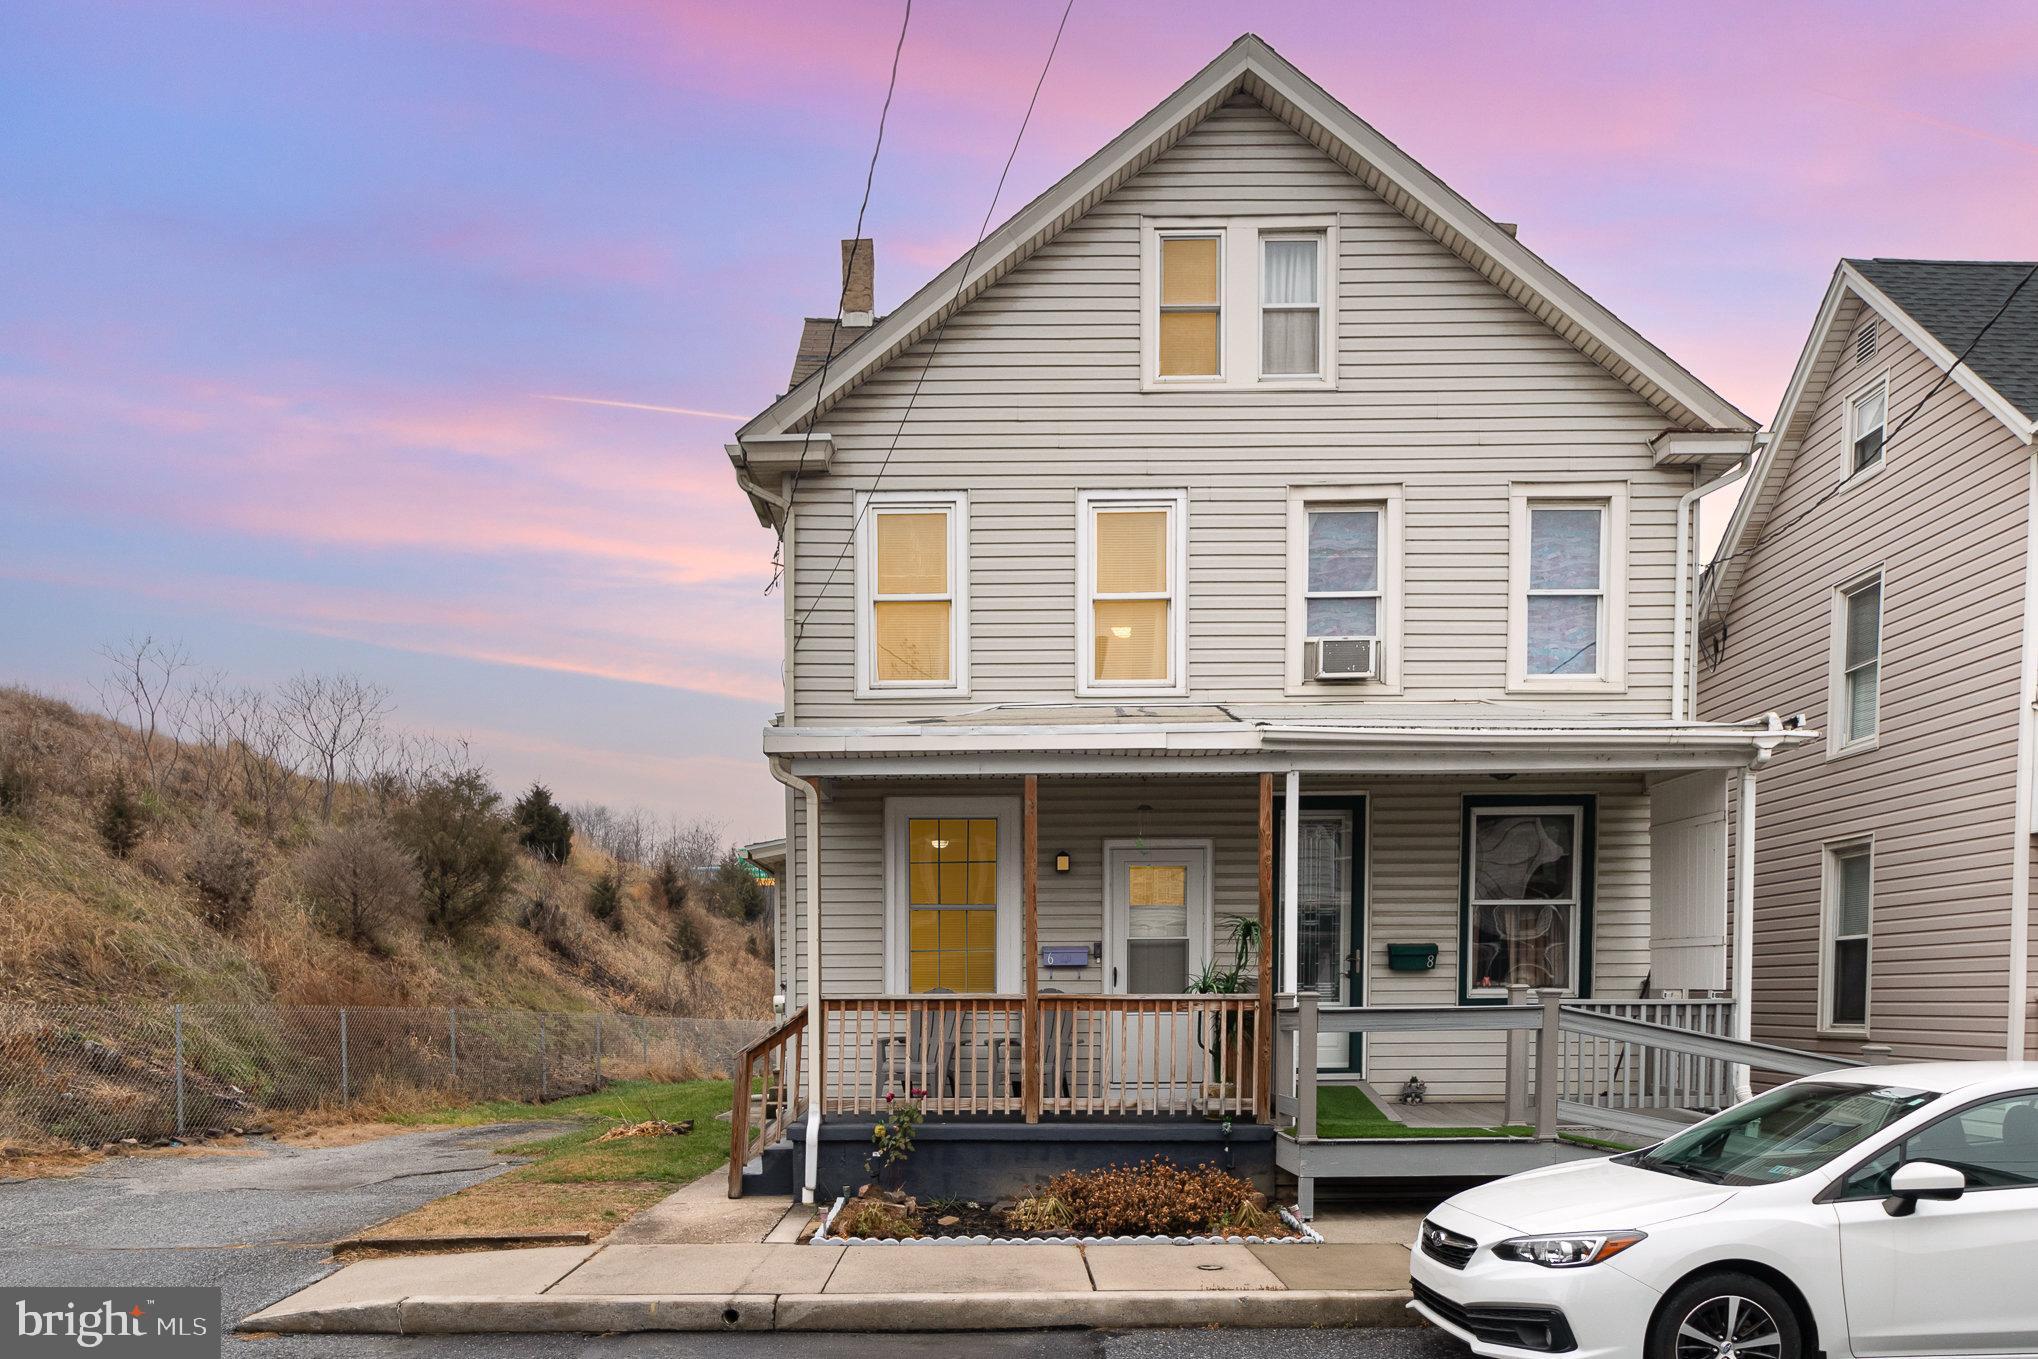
[
  {"x": 1197, "y": 1344},
  {"x": 258, "y": 1226}
]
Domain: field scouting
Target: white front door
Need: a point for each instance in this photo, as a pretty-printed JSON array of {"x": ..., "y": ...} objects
[
  {"x": 1156, "y": 942},
  {"x": 1951, "y": 1278}
]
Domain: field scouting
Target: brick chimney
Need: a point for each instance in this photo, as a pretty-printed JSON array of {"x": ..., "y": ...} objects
[{"x": 859, "y": 281}]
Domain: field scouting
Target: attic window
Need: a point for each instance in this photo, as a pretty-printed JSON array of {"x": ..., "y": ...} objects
[
  {"x": 1867, "y": 414},
  {"x": 1864, "y": 342},
  {"x": 1239, "y": 302}
]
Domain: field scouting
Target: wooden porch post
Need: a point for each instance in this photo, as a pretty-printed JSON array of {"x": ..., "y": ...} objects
[
  {"x": 1264, "y": 1062},
  {"x": 1029, "y": 1080}
]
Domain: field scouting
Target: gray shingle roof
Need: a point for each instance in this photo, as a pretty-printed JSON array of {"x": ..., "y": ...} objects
[{"x": 1954, "y": 299}]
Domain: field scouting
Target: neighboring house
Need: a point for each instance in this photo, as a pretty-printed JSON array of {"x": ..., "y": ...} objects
[
  {"x": 1877, "y": 577},
  {"x": 1251, "y": 529}
]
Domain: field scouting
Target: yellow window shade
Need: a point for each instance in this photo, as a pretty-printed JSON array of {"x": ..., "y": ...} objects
[
  {"x": 923, "y": 884},
  {"x": 982, "y": 884},
  {"x": 912, "y": 640},
  {"x": 921, "y": 833},
  {"x": 1131, "y": 640},
  {"x": 1132, "y": 552},
  {"x": 1157, "y": 884},
  {"x": 954, "y": 971},
  {"x": 980, "y": 970},
  {"x": 954, "y": 929},
  {"x": 983, "y": 841},
  {"x": 955, "y": 884},
  {"x": 954, "y": 841},
  {"x": 912, "y": 553},
  {"x": 1188, "y": 344},
  {"x": 922, "y": 972},
  {"x": 923, "y": 930},
  {"x": 983, "y": 929},
  {"x": 1188, "y": 270}
]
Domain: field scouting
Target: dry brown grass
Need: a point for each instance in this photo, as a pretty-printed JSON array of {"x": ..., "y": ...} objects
[
  {"x": 511, "y": 1207},
  {"x": 79, "y": 926}
]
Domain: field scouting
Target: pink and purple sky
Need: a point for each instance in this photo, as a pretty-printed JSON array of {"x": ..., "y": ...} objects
[{"x": 292, "y": 290}]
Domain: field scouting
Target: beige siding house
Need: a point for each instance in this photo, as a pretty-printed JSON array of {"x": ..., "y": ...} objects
[
  {"x": 1249, "y": 530},
  {"x": 1877, "y": 579}
]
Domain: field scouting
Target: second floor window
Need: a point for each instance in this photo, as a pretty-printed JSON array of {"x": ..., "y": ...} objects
[
  {"x": 1291, "y": 306},
  {"x": 1239, "y": 302},
  {"x": 1857, "y": 692},
  {"x": 1568, "y": 572},
  {"x": 1130, "y": 568},
  {"x": 1192, "y": 306},
  {"x": 1342, "y": 591},
  {"x": 913, "y": 595}
]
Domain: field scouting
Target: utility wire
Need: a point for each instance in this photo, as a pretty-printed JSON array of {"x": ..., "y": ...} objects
[
  {"x": 1713, "y": 612},
  {"x": 934, "y": 348},
  {"x": 842, "y": 294}
]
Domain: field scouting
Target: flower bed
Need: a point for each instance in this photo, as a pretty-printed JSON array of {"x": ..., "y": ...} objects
[{"x": 1154, "y": 1201}]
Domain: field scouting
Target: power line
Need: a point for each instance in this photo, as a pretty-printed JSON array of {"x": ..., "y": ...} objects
[
  {"x": 1713, "y": 610},
  {"x": 934, "y": 348},
  {"x": 835, "y": 325}
]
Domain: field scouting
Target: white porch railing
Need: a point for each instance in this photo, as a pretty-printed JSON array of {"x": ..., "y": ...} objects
[{"x": 1621, "y": 1074}]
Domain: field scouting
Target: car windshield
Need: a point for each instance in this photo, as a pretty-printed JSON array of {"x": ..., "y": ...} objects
[{"x": 1781, "y": 1135}]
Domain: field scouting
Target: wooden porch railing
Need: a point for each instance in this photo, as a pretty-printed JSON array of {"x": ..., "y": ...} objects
[
  {"x": 775, "y": 1061},
  {"x": 1097, "y": 1056},
  {"x": 1113, "y": 1056}
]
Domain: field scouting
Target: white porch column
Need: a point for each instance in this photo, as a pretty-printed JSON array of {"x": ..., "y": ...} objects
[
  {"x": 1744, "y": 918},
  {"x": 1291, "y": 885}
]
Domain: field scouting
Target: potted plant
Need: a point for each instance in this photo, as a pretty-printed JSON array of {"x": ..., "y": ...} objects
[{"x": 1230, "y": 1035}]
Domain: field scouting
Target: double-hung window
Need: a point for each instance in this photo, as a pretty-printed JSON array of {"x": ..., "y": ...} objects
[
  {"x": 1238, "y": 302},
  {"x": 1867, "y": 417},
  {"x": 1525, "y": 896},
  {"x": 1130, "y": 562},
  {"x": 1568, "y": 567},
  {"x": 1344, "y": 578},
  {"x": 912, "y": 594},
  {"x": 1849, "y": 896},
  {"x": 1856, "y": 697}
]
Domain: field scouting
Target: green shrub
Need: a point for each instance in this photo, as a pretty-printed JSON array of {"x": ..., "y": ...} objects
[
  {"x": 543, "y": 827},
  {"x": 687, "y": 939},
  {"x": 668, "y": 879},
  {"x": 605, "y": 899},
  {"x": 121, "y": 820},
  {"x": 463, "y": 846}
]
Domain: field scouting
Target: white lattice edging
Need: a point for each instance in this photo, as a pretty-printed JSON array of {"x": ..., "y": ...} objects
[{"x": 1309, "y": 1236}]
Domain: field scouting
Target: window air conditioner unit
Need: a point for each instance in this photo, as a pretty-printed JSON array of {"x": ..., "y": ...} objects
[{"x": 1341, "y": 658}]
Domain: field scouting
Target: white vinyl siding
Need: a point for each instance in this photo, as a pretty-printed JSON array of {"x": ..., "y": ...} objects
[{"x": 1446, "y": 388}]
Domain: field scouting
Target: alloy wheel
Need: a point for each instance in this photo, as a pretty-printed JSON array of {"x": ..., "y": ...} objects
[{"x": 1727, "y": 1327}]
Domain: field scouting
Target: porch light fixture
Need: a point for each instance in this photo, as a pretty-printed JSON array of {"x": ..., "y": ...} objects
[{"x": 1061, "y": 861}]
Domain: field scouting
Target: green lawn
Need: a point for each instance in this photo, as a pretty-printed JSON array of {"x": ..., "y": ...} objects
[
  {"x": 1344, "y": 1111},
  {"x": 574, "y": 1157}
]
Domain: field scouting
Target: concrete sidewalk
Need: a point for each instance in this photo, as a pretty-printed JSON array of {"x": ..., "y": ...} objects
[{"x": 765, "y": 1286}]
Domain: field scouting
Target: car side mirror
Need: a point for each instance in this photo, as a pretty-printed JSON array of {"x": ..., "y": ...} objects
[{"x": 1916, "y": 1180}]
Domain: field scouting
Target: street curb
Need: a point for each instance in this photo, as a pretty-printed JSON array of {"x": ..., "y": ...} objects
[{"x": 897, "y": 1312}]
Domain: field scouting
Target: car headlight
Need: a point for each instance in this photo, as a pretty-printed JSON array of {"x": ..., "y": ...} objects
[{"x": 1567, "y": 1252}]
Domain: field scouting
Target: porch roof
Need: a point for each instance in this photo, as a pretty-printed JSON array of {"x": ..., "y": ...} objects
[{"x": 1236, "y": 739}]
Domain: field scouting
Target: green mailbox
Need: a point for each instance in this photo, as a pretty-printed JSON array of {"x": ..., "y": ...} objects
[{"x": 1411, "y": 957}]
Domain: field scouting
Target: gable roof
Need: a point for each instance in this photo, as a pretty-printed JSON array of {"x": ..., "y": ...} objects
[
  {"x": 1252, "y": 67},
  {"x": 1955, "y": 300}
]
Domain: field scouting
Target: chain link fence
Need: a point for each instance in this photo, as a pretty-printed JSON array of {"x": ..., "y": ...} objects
[{"x": 89, "y": 1075}]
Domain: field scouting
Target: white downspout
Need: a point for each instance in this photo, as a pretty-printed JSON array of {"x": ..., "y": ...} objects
[
  {"x": 816, "y": 1077},
  {"x": 1291, "y": 884},
  {"x": 2027, "y": 757},
  {"x": 1684, "y": 672},
  {"x": 1744, "y": 906}
]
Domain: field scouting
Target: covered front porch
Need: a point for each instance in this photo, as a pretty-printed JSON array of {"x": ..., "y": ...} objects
[{"x": 1009, "y": 933}]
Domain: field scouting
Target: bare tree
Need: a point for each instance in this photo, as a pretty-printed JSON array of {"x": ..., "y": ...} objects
[
  {"x": 142, "y": 691},
  {"x": 265, "y": 754},
  {"x": 331, "y": 715},
  {"x": 210, "y": 729}
]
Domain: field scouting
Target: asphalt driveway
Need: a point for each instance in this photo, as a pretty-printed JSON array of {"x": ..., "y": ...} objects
[{"x": 257, "y": 1223}]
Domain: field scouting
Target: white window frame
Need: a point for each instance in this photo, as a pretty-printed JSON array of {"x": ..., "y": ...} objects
[
  {"x": 1176, "y": 503},
  {"x": 899, "y": 811},
  {"x": 1848, "y": 471},
  {"x": 1830, "y": 855},
  {"x": 1468, "y": 947},
  {"x": 869, "y": 506},
  {"x": 1114, "y": 957},
  {"x": 1240, "y": 266},
  {"x": 1612, "y": 499},
  {"x": 1838, "y": 742},
  {"x": 1302, "y": 500}
]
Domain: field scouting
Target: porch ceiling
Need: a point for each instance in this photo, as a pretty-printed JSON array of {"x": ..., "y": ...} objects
[{"x": 1212, "y": 740}]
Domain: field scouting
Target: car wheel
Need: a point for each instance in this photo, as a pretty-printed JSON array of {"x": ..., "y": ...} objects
[{"x": 1726, "y": 1316}]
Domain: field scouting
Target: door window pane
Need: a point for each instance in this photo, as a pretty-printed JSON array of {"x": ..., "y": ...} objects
[
  {"x": 1157, "y": 928},
  {"x": 1525, "y": 897},
  {"x": 1325, "y": 854},
  {"x": 952, "y": 903}
]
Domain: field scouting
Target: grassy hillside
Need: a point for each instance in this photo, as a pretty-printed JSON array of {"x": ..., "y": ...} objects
[{"x": 81, "y": 922}]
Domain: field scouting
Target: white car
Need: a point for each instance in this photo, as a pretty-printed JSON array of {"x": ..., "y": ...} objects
[{"x": 1872, "y": 1211}]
